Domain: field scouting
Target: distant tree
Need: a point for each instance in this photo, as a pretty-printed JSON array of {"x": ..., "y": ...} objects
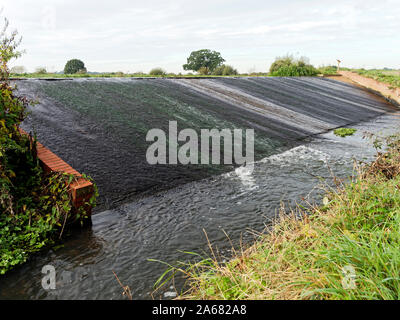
[
  {"x": 157, "y": 72},
  {"x": 73, "y": 66},
  {"x": 225, "y": 70},
  {"x": 204, "y": 60},
  {"x": 40, "y": 70},
  {"x": 18, "y": 69}
]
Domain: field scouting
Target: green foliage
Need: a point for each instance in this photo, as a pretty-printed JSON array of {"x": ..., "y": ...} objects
[
  {"x": 34, "y": 208},
  {"x": 280, "y": 62},
  {"x": 203, "y": 60},
  {"x": 225, "y": 70},
  {"x": 74, "y": 66},
  {"x": 344, "y": 132},
  {"x": 157, "y": 72},
  {"x": 391, "y": 77},
  {"x": 288, "y": 66},
  {"x": 328, "y": 70},
  {"x": 8, "y": 49}
]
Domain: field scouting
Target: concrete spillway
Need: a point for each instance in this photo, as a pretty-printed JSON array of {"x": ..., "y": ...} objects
[{"x": 99, "y": 125}]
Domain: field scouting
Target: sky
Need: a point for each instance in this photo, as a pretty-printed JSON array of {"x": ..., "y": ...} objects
[{"x": 133, "y": 36}]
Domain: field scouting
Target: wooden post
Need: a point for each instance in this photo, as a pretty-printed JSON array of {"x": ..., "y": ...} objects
[{"x": 338, "y": 65}]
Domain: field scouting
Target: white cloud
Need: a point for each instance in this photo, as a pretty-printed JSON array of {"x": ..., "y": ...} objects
[{"x": 137, "y": 35}]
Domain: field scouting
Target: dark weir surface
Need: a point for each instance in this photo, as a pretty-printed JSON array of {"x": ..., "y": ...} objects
[{"x": 99, "y": 126}]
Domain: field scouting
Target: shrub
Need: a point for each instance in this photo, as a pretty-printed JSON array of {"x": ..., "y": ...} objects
[
  {"x": 295, "y": 71},
  {"x": 73, "y": 66},
  {"x": 41, "y": 70},
  {"x": 157, "y": 72},
  {"x": 225, "y": 70},
  {"x": 328, "y": 70},
  {"x": 280, "y": 62},
  {"x": 288, "y": 66},
  {"x": 203, "y": 71}
]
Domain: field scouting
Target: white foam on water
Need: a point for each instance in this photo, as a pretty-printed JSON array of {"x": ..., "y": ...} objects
[
  {"x": 295, "y": 155},
  {"x": 245, "y": 175}
]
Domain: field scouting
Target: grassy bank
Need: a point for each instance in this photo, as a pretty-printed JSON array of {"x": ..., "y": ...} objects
[
  {"x": 346, "y": 249},
  {"x": 391, "y": 77}
]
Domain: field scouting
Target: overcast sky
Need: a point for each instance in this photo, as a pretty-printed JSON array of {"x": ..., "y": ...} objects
[{"x": 129, "y": 36}]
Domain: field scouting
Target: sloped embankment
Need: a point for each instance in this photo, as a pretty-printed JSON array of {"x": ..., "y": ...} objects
[{"x": 387, "y": 90}]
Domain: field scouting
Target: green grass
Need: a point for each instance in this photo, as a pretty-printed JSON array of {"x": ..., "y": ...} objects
[
  {"x": 307, "y": 253},
  {"x": 328, "y": 70},
  {"x": 391, "y": 77},
  {"x": 344, "y": 132}
]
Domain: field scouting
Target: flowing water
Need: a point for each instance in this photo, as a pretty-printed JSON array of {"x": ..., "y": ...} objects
[{"x": 147, "y": 212}]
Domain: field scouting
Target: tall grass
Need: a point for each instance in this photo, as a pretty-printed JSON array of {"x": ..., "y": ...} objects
[{"x": 346, "y": 249}]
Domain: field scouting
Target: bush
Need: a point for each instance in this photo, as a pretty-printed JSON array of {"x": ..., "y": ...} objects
[
  {"x": 295, "y": 71},
  {"x": 157, "y": 72},
  {"x": 280, "y": 62},
  {"x": 74, "y": 66},
  {"x": 328, "y": 70},
  {"x": 203, "y": 71},
  {"x": 41, "y": 70},
  {"x": 225, "y": 70},
  {"x": 288, "y": 66}
]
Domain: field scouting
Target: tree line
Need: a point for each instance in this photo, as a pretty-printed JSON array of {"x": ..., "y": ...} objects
[{"x": 204, "y": 62}]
